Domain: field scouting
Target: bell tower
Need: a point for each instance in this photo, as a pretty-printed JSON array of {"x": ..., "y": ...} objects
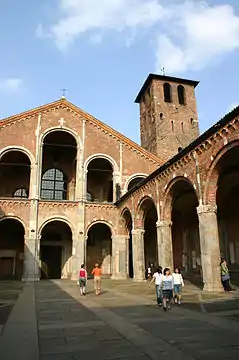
[{"x": 168, "y": 114}]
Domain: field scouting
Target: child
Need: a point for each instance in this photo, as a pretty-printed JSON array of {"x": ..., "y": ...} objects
[
  {"x": 96, "y": 272},
  {"x": 157, "y": 278},
  {"x": 82, "y": 279},
  {"x": 178, "y": 283},
  {"x": 167, "y": 289}
]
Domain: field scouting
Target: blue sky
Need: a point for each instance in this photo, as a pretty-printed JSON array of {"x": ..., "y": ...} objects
[{"x": 102, "y": 51}]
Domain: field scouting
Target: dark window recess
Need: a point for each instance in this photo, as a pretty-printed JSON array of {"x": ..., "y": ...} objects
[
  {"x": 167, "y": 92},
  {"x": 181, "y": 95}
]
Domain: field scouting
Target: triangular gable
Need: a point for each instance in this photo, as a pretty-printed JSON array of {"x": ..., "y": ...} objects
[{"x": 88, "y": 117}]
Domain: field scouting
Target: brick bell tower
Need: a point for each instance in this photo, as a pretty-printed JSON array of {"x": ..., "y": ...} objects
[{"x": 168, "y": 114}]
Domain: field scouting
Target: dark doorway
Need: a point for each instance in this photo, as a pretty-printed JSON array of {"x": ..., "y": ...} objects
[
  {"x": 51, "y": 256},
  {"x": 127, "y": 221}
]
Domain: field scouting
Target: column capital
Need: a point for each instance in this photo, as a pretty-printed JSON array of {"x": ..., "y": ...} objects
[
  {"x": 206, "y": 209},
  {"x": 137, "y": 231},
  {"x": 164, "y": 223}
]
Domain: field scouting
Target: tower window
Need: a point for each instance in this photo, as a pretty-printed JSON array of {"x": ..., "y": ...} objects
[
  {"x": 161, "y": 116},
  {"x": 167, "y": 92},
  {"x": 191, "y": 121},
  {"x": 182, "y": 126},
  {"x": 181, "y": 95},
  {"x": 172, "y": 124}
]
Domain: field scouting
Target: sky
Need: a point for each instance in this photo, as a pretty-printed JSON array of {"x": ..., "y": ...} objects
[{"x": 102, "y": 51}]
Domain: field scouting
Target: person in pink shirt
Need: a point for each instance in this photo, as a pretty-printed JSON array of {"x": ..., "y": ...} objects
[{"x": 82, "y": 279}]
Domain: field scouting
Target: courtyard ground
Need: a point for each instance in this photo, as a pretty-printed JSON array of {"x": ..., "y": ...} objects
[{"x": 51, "y": 321}]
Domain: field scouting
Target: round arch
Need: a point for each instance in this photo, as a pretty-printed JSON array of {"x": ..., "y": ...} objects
[
  {"x": 99, "y": 246},
  {"x": 101, "y": 156},
  {"x": 132, "y": 177},
  {"x": 61, "y": 129},
  {"x": 13, "y": 217},
  {"x": 212, "y": 178},
  {"x": 140, "y": 212},
  {"x": 126, "y": 220},
  {"x": 105, "y": 222},
  {"x": 20, "y": 149},
  {"x": 167, "y": 199},
  {"x": 12, "y": 247},
  {"x": 56, "y": 218}
]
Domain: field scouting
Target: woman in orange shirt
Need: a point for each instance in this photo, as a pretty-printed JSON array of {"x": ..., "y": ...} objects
[{"x": 97, "y": 272}]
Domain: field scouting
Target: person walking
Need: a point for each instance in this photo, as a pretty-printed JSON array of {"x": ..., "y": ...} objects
[
  {"x": 167, "y": 289},
  {"x": 225, "y": 275},
  {"x": 97, "y": 272},
  {"x": 157, "y": 279},
  {"x": 178, "y": 283},
  {"x": 82, "y": 279}
]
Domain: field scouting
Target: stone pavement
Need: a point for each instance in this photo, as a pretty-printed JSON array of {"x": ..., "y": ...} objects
[{"x": 122, "y": 323}]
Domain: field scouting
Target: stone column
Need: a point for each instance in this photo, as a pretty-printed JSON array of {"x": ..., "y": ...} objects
[
  {"x": 165, "y": 248},
  {"x": 79, "y": 188},
  {"x": 119, "y": 257},
  {"x": 210, "y": 248},
  {"x": 138, "y": 254},
  {"x": 78, "y": 254}
]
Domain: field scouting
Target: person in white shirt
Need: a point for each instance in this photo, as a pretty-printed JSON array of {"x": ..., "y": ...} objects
[
  {"x": 167, "y": 289},
  {"x": 157, "y": 279},
  {"x": 178, "y": 284}
]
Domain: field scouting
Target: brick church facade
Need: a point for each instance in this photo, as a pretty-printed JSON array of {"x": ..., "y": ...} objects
[{"x": 73, "y": 190}]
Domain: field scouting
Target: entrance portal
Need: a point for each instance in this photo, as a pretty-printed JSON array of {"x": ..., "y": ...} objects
[
  {"x": 11, "y": 249},
  {"x": 99, "y": 248},
  {"x": 56, "y": 251}
]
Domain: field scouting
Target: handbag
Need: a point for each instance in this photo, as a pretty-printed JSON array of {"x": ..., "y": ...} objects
[{"x": 225, "y": 277}]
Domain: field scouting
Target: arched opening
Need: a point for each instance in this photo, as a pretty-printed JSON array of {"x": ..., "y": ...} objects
[
  {"x": 100, "y": 181},
  {"x": 58, "y": 166},
  {"x": 56, "y": 250},
  {"x": 135, "y": 181},
  {"x": 99, "y": 248},
  {"x": 167, "y": 89},
  {"x": 181, "y": 95},
  {"x": 185, "y": 228},
  {"x": 11, "y": 249},
  {"x": 150, "y": 233},
  {"x": 15, "y": 169},
  {"x": 128, "y": 227},
  {"x": 227, "y": 202}
]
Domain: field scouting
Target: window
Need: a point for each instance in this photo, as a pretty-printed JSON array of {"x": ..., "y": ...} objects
[
  {"x": 172, "y": 125},
  {"x": 161, "y": 116},
  {"x": 167, "y": 92},
  {"x": 20, "y": 193},
  {"x": 181, "y": 95},
  {"x": 182, "y": 127},
  {"x": 54, "y": 185}
]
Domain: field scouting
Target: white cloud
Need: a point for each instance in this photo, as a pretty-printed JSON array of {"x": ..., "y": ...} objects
[
  {"x": 188, "y": 36},
  {"x": 11, "y": 85}
]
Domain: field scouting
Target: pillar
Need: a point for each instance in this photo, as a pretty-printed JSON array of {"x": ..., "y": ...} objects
[
  {"x": 210, "y": 247},
  {"x": 119, "y": 257},
  {"x": 138, "y": 254},
  {"x": 165, "y": 247},
  {"x": 78, "y": 254}
]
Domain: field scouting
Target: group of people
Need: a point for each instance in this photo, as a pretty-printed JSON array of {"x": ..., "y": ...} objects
[
  {"x": 168, "y": 287},
  {"x": 96, "y": 272}
]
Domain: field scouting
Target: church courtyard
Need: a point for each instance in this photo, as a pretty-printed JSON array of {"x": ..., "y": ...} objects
[{"x": 50, "y": 320}]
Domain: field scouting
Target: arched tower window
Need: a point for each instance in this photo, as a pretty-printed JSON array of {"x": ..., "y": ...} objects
[
  {"x": 54, "y": 185},
  {"x": 167, "y": 92},
  {"x": 181, "y": 95}
]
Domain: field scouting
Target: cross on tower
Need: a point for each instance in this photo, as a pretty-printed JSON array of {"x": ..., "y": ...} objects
[{"x": 163, "y": 70}]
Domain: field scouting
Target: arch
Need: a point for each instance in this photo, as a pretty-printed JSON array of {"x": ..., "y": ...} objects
[
  {"x": 12, "y": 247},
  {"x": 140, "y": 210},
  {"x": 9, "y": 148},
  {"x": 61, "y": 129},
  {"x": 56, "y": 218},
  {"x": 14, "y": 217},
  {"x": 212, "y": 178},
  {"x": 99, "y": 221},
  {"x": 99, "y": 246},
  {"x": 167, "y": 89},
  {"x": 132, "y": 177},
  {"x": 127, "y": 223},
  {"x": 101, "y": 156},
  {"x": 181, "y": 95},
  {"x": 56, "y": 244},
  {"x": 166, "y": 209}
]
